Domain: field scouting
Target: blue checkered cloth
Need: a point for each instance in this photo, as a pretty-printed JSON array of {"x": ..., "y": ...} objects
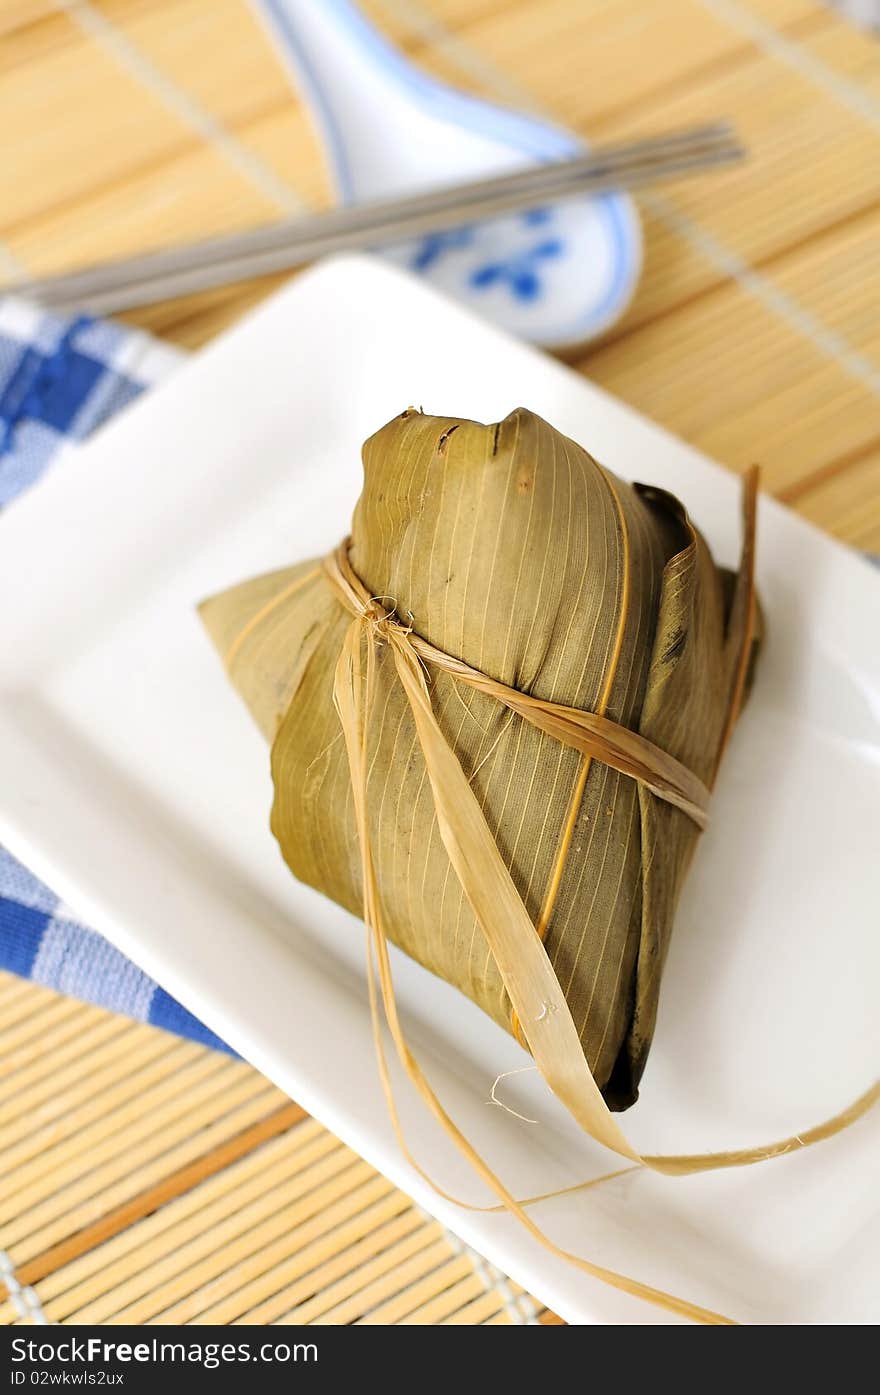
[{"x": 60, "y": 379}]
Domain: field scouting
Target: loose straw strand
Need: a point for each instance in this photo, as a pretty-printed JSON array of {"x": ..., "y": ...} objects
[
  {"x": 352, "y": 704},
  {"x": 521, "y": 958},
  {"x": 748, "y": 598}
]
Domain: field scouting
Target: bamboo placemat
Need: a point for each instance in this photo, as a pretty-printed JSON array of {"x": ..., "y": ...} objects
[{"x": 144, "y": 1179}]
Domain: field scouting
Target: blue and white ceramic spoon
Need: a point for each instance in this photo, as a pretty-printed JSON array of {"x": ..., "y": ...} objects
[{"x": 558, "y": 276}]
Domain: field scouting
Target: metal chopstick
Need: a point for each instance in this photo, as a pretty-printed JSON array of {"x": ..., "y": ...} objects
[{"x": 178, "y": 271}]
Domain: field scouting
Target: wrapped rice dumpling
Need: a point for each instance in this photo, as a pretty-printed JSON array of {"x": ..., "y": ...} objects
[{"x": 597, "y": 658}]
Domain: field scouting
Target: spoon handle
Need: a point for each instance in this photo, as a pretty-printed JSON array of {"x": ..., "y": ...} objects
[
  {"x": 355, "y": 84},
  {"x": 387, "y": 126}
]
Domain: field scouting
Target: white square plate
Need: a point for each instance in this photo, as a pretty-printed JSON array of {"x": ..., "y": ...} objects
[{"x": 135, "y": 784}]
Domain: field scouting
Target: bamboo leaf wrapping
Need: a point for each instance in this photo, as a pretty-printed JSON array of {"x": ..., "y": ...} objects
[{"x": 509, "y": 547}]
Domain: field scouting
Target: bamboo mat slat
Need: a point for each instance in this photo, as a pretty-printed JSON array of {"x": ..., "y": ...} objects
[
  {"x": 148, "y": 1180},
  {"x": 848, "y": 502},
  {"x": 193, "y": 1214},
  {"x": 29, "y": 1088},
  {"x": 339, "y": 1264}
]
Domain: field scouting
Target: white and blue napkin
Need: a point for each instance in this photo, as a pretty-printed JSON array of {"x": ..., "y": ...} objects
[{"x": 60, "y": 379}]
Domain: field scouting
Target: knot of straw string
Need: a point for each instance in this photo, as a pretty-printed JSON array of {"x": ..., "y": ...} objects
[
  {"x": 383, "y": 622},
  {"x": 598, "y": 737}
]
